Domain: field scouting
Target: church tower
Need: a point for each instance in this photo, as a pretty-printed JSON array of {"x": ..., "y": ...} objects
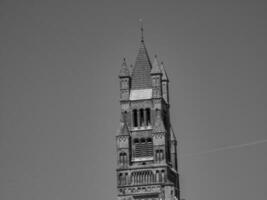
[{"x": 146, "y": 144}]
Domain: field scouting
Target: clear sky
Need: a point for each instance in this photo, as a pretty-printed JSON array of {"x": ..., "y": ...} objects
[{"x": 59, "y": 108}]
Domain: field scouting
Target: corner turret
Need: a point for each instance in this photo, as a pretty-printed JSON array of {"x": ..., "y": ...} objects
[
  {"x": 156, "y": 76},
  {"x": 164, "y": 84},
  {"x": 125, "y": 78}
]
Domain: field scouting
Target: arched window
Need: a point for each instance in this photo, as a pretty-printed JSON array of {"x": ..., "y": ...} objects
[
  {"x": 143, "y": 140},
  {"x": 149, "y": 177},
  {"x": 136, "y": 140},
  {"x": 154, "y": 81},
  {"x": 123, "y": 158},
  {"x": 126, "y": 179},
  {"x": 160, "y": 177},
  {"x": 163, "y": 175},
  {"x": 131, "y": 179},
  {"x": 135, "y": 122},
  {"x": 157, "y": 176},
  {"x": 135, "y": 178},
  {"x": 157, "y": 156},
  {"x": 158, "y": 81},
  {"x": 120, "y": 158},
  {"x": 148, "y": 118},
  {"x": 142, "y": 117},
  {"x": 161, "y": 155},
  {"x": 120, "y": 179},
  {"x": 138, "y": 178}
]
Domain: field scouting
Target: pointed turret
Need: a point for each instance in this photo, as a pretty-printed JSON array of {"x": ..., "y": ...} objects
[
  {"x": 155, "y": 66},
  {"x": 156, "y": 76},
  {"x": 165, "y": 84},
  {"x": 164, "y": 74},
  {"x": 125, "y": 78},
  {"x": 124, "y": 71}
]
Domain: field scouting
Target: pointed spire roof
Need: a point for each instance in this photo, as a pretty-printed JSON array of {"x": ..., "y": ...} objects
[
  {"x": 155, "y": 66},
  {"x": 159, "y": 125},
  {"x": 123, "y": 129},
  {"x": 164, "y": 74},
  {"x": 124, "y": 71},
  {"x": 141, "y": 72}
]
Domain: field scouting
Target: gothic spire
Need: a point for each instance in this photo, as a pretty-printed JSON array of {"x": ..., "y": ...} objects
[{"x": 141, "y": 72}]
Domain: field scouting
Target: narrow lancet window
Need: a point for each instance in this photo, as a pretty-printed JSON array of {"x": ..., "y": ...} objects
[
  {"x": 142, "y": 118},
  {"x": 135, "y": 122},
  {"x": 148, "y": 121}
]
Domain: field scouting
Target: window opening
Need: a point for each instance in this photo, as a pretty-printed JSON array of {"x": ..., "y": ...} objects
[
  {"x": 142, "y": 119},
  {"x": 148, "y": 121},
  {"x": 135, "y": 123}
]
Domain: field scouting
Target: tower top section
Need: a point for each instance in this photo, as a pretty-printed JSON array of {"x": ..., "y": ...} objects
[{"x": 144, "y": 79}]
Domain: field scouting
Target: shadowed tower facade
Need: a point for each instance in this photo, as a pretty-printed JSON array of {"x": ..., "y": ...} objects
[{"x": 146, "y": 144}]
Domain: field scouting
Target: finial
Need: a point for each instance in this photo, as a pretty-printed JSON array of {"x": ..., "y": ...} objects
[{"x": 142, "y": 29}]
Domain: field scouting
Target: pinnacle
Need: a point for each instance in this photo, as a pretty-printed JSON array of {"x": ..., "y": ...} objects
[
  {"x": 164, "y": 74},
  {"x": 155, "y": 67},
  {"x": 124, "y": 71}
]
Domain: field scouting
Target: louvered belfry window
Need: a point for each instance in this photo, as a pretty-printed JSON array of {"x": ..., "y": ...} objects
[{"x": 143, "y": 147}]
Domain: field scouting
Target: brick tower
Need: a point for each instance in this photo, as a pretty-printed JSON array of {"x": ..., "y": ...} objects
[{"x": 146, "y": 144}]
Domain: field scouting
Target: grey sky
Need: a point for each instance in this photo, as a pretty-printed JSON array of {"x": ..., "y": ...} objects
[{"x": 59, "y": 109}]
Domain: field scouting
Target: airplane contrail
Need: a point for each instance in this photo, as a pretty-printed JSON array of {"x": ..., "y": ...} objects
[{"x": 226, "y": 148}]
